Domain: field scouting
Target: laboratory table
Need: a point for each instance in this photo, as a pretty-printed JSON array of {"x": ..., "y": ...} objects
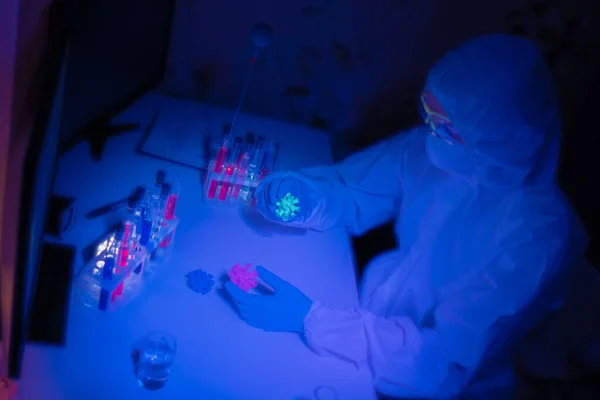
[{"x": 219, "y": 356}]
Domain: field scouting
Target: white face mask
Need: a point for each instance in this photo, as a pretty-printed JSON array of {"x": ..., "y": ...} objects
[{"x": 448, "y": 157}]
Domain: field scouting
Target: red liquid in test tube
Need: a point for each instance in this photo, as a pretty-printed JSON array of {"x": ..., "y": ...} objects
[
  {"x": 123, "y": 258},
  {"x": 224, "y": 190},
  {"x": 124, "y": 250},
  {"x": 170, "y": 208},
  {"x": 225, "y": 185},
  {"x": 235, "y": 190},
  {"x": 218, "y": 168},
  {"x": 165, "y": 242},
  {"x": 212, "y": 189},
  {"x": 220, "y": 159},
  {"x": 221, "y": 156}
]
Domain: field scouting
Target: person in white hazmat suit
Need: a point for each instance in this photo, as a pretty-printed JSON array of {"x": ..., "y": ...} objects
[{"x": 487, "y": 242}]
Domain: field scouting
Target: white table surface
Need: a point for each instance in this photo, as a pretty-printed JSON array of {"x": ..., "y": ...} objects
[{"x": 219, "y": 356}]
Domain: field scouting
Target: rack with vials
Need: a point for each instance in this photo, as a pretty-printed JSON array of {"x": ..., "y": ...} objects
[
  {"x": 146, "y": 238},
  {"x": 115, "y": 274},
  {"x": 236, "y": 171},
  {"x": 161, "y": 245},
  {"x": 112, "y": 277}
]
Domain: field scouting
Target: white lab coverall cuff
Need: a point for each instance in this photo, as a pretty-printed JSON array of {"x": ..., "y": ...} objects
[{"x": 403, "y": 360}]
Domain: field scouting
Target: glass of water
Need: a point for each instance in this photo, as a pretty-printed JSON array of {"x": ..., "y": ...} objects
[{"x": 155, "y": 356}]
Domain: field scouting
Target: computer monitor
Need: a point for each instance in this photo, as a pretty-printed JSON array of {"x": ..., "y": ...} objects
[
  {"x": 118, "y": 50},
  {"x": 37, "y": 175},
  {"x": 100, "y": 56}
]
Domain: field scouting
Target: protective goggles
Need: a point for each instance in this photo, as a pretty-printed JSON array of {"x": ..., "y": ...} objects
[{"x": 438, "y": 121}]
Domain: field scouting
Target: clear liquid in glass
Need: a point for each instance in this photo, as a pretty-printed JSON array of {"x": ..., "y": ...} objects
[{"x": 154, "y": 365}]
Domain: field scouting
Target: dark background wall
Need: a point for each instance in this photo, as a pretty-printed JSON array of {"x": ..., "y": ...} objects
[
  {"x": 355, "y": 68},
  {"x": 332, "y": 61}
]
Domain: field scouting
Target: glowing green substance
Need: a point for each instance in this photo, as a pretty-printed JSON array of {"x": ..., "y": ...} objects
[{"x": 287, "y": 207}]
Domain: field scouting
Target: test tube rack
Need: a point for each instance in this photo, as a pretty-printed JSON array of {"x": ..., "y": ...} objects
[
  {"x": 160, "y": 246},
  {"x": 239, "y": 190},
  {"x": 94, "y": 290},
  {"x": 109, "y": 294},
  {"x": 230, "y": 188}
]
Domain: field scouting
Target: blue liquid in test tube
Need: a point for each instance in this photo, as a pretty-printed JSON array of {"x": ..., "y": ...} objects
[
  {"x": 107, "y": 274},
  {"x": 146, "y": 227},
  {"x": 146, "y": 232}
]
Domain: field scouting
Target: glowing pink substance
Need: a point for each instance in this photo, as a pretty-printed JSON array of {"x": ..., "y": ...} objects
[
  {"x": 170, "y": 207},
  {"x": 221, "y": 155},
  {"x": 212, "y": 189},
  {"x": 124, "y": 251},
  {"x": 242, "y": 277}
]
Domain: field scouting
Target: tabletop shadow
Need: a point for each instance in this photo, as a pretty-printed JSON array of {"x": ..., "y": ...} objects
[
  {"x": 259, "y": 224},
  {"x": 261, "y": 289}
]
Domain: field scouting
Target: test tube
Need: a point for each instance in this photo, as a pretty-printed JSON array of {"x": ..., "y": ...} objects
[
  {"x": 235, "y": 190},
  {"x": 255, "y": 167},
  {"x": 212, "y": 189},
  {"x": 230, "y": 168},
  {"x": 128, "y": 228},
  {"x": 221, "y": 155},
  {"x": 256, "y": 159},
  {"x": 244, "y": 161},
  {"x": 156, "y": 207},
  {"x": 268, "y": 159},
  {"x": 165, "y": 193},
  {"x": 224, "y": 189},
  {"x": 145, "y": 230},
  {"x": 159, "y": 180},
  {"x": 236, "y": 152},
  {"x": 107, "y": 274},
  {"x": 240, "y": 150},
  {"x": 146, "y": 225},
  {"x": 242, "y": 168},
  {"x": 168, "y": 191},
  {"x": 213, "y": 185},
  {"x": 169, "y": 214}
]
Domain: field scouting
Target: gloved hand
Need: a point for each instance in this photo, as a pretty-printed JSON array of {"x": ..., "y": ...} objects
[
  {"x": 282, "y": 311},
  {"x": 272, "y": 189}
]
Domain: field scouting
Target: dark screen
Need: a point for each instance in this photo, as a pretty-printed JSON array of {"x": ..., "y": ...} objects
[
  {"x": 117, "y": 49},
  {"x": 38, "y": 175}
]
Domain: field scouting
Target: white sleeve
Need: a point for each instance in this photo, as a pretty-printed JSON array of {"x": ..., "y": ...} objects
[
  {"x": 407, "y": 360},
  {"x": 359, "y": 193}
]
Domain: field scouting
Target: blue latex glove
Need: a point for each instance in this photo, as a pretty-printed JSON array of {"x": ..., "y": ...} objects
[
  {"x": 275, "y": 187},
  {"x": 282, "y": 311}
]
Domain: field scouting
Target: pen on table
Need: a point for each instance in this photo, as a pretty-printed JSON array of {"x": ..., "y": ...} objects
[{"x": 100, "y": 211}]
